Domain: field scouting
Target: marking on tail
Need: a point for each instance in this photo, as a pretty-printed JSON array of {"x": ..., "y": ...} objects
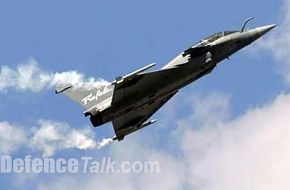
[{"x": 94, "y": 97}]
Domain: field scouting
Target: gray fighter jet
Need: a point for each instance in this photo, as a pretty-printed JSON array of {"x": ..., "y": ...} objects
[{"x": 129, "y": 101}]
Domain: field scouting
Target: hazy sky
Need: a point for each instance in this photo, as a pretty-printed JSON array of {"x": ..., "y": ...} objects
[{"x": 229, "y": 130}]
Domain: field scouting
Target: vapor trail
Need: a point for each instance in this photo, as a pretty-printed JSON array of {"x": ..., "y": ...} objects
[{"x": 30, "y": 77}]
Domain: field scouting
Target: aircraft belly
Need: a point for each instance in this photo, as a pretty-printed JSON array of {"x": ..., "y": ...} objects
[{"x": 147, "y": 89}]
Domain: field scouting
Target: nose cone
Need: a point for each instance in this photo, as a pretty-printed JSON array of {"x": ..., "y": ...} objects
[
  {"x": 260, "y": 31},
  {"x": 252, "y": 35}
]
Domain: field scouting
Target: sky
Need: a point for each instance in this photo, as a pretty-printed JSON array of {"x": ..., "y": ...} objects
[{"x": 228, "y": 130}]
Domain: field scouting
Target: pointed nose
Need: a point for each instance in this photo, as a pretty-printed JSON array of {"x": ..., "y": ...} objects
[
  {"x": 252, "y": 35},
  {"x": 260, "y": 31}
]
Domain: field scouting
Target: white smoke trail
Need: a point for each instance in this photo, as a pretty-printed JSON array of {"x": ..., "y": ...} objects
[
  {"x": 104, "y": 142},
  {"x": 30, "y": 77},
  {"x": 50, "y": 137}
]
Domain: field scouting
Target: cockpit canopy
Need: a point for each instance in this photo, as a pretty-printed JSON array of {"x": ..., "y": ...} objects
[
  {"x": 218, "y": 35},
  {"x": 213, "y": 38}
]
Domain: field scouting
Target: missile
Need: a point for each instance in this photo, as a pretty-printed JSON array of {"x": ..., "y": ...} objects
[
  {"x": 139, "y": 70},
  {"x": 133, "y": 74},
  {"x": 145, "y": 124},
  {"x": 129, "y": 130}
]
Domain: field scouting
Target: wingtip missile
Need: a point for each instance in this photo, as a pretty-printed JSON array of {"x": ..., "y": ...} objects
[
  {"x": 134, "y": 73},
  {"x": 146, "y": 123},
  {"x": 126, "y": 132}
]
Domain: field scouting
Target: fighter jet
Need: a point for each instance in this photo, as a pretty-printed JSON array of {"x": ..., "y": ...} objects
[{"x": 129, "y": 101}]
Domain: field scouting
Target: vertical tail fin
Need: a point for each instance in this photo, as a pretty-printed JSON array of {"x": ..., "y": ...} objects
[{"x": 100, "y": 97}]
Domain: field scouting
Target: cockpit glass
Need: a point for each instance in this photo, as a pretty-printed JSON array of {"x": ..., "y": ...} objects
[
  {"x": 214, "y": 37},
  {"x": 218, "y": 35},
  {"x": 229, "y": 32}
]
